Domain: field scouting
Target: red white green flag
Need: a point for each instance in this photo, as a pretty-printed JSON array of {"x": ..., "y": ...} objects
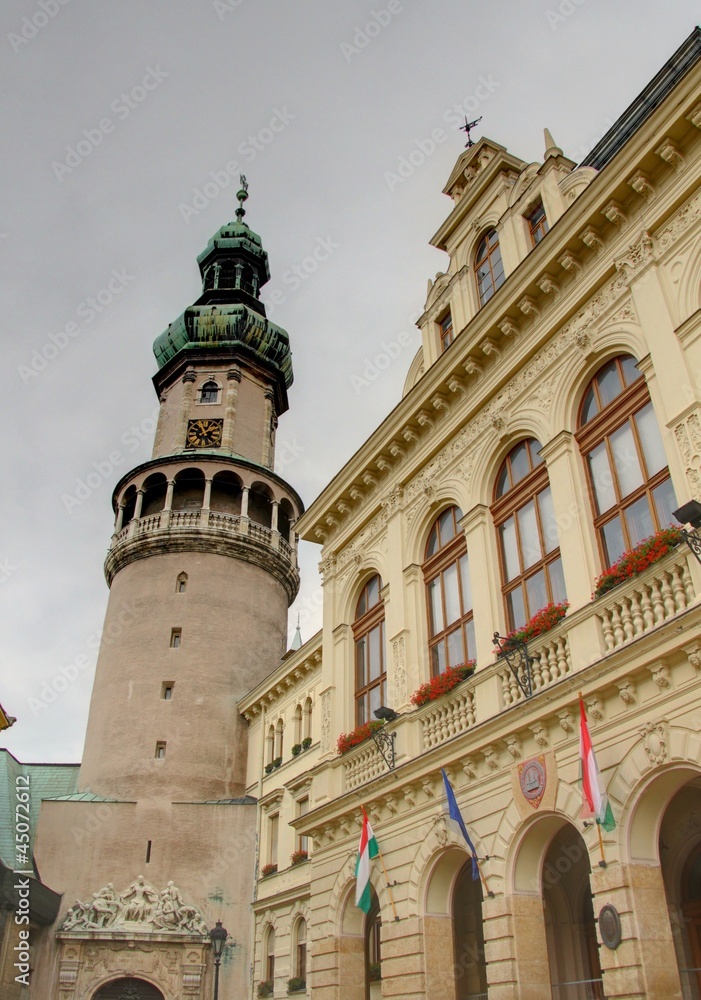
[
  {"x": 367, "y": 849},
  {"x": 595, "y": 803}
]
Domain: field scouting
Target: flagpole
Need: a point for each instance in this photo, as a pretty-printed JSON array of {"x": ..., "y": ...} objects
[
  {"x": 384, "y": 869},
  {"x": 601, "y": 843}
]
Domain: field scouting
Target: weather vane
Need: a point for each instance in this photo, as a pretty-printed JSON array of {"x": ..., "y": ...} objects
[
  {"x": 242, "y": 195},
  {"x": 466, "y": 128}
]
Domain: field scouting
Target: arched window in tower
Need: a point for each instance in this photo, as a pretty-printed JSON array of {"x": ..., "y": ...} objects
[
  {"x": 129, "y": 502},
  {"x": 529, "y": 547},
  {"x": 451, "y": 631},
  {"x": 369, "y": 635},
  {"x": 181, "y": 583},
  {"x": 489, "y": 269},
  {"x": 155, "y": 488},
  {"x": 629, "y": 485},
  {"x": 209, "y": 393}
]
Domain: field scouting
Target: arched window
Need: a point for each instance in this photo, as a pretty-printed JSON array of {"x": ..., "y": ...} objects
[
  {"x": 307, "y": 719},
  {"x": 369, "y": 634},
  {"x": 629, "y": 484},
  {"x": 181, "y": 583},
  {"x": 279, "y": 733},
  {"x": 209, "y": 393},
  {"x": 489, "y": 270},
  {"x": 451, "y": 631},
  {"x": 300, "y": 955},
  {"x": 270, "y": 745},
  {"x": 529, "y": 548},
  {"x": 270, "y": 956}
]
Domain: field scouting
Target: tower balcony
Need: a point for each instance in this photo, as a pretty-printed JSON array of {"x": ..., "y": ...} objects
[{"x": 231, "y": 508}]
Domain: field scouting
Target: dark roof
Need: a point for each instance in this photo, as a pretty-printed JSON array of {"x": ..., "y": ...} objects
[{"x": 686, "y": 56}]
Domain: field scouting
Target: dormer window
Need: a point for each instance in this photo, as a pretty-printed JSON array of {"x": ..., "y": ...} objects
[
  {"x": 489, "y": 270},
  {"x": 209, "y": 393},
  {"x": 446, "y": 331},
  {"x": 537, "y": 223}
]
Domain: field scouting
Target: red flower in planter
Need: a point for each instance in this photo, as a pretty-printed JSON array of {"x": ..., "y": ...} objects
[
  {"x": 636, "y": 560},
  {"x": 442, "y": 683},
  {"x": 346, "y": 741},
  {"x": 542, "y": 621}
]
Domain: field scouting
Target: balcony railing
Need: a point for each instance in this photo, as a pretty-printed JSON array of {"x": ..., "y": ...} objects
[{"x": 208, "y": 520}]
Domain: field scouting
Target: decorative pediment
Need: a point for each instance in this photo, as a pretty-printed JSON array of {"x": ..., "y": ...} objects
[{"x": 139, "y": 908}]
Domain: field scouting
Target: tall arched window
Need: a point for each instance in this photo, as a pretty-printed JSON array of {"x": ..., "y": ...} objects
[
  {"x": 369, "y": 635},
  {"x": 451, "y": 632},
  {"x": 300, "y": 956},
  {"x": 629, "y": 484},
  {"x": 529, "y": 548},
  {"x": 489, "y": 270},
  {"x": 270, "y": 956}
]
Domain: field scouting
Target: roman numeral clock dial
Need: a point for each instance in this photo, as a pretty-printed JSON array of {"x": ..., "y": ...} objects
[{"x": 204, "y": 433}]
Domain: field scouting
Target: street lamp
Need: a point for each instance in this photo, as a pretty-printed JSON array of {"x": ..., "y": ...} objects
[
  {"x": 690, "y": 513},
  {"x": 217, "y": 936}
]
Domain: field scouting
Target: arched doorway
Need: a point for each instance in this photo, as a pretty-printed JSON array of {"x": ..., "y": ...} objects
[
  {"x": 680, "y": 860},
  {"x": 573, "y": 954},
  {"x": 128, "y": 989},
  {"x": 373, "y": 957},
  {"x": 468, "y": 937}
]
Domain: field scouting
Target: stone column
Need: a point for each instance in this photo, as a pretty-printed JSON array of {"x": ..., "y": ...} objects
[
  {"x": 644, "y": 966},
  {"x": 206, "y": 500},
  {"x": 185, "y": 409},
  {"x": 168, "y": 505},
  {"x": 273, "y": 515},
  {"x": 338, "y": 968},
  {"x": 439, "y": 958},
  {"x": 516, "y": 947},
  {"x": 137, "y": 513},
  {"x": 120, "y": 519},
  {"x": 403, "y": 960},
  {"x": 232, "y": 394}
]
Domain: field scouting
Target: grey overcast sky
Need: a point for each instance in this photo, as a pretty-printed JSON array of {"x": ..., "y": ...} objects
[{"x": 122, "y": 123}]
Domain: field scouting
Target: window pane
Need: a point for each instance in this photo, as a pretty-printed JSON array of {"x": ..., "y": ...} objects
[
  {"x": 360, "y": 711},
  {"x": 651, "y": 440},
  {"x": 614, "y": 542},
  {"x": 609, "y": 383},
  {"x": 376, "y": 699},
  {"x": 547, "y": 519},
  {"x": 432, "y": 545},
  {"x": 465, "y": 581},
  {"x": 516, "y": 608},
  {"x": 528, "y": 529},
  {"x": 446, "y": 525},
  {"x": 438, "y": 663},
  {"x": 360, "y": 662},
  {"x": 374, "y": 654},
  {"x": 639, "y": 520},
  {"x": 373, "y": 590},
  {"x": 435, "y": 605},
  {"x": 534, "y": 450},
  {"x": 470, "y": 636},
  {"x": 601, "y": 477},
  {"x": 520, "y": 466},
  {"x": 665, "y": 503},
  {"x": 537, "y": 592},
  {"x": 630, "y": 372},
  {"x": 590, "y": 407},
  {"x": 456, "y": 652},
  {"x": 452, "y": 595},
  {"x": 625, "y": 457},
  {"x": 557, "y": 581},
  {"x": 509, "y": 548},
  {"x": 503, "y": 483}
]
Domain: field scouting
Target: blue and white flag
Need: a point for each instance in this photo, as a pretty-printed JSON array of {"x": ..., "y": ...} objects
[{"x": 458, "y": 823}]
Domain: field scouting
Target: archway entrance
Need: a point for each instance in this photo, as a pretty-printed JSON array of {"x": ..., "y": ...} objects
[
  {"x": 573, "y": 954},
  {"x": 468, "y": 937},
  {"x": 680, "y": 860},
  {"x": 128, "y": 989}
]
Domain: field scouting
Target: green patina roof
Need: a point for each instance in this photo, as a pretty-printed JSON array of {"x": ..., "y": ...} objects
[
  {"x": 46, "y": 781},
  {"x": 237, "y": 236}
]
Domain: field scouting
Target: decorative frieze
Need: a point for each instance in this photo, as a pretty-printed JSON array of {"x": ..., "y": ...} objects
[{"x": 139, "y": 908}]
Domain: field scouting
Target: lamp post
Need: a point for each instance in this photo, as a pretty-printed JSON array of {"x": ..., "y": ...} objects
[
  {"x": 690, "y": 513},
  {"x": 217, "y": 936}
]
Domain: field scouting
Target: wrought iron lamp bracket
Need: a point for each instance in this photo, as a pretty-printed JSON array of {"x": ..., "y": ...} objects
[
  {"x": 515, "y": 652},
  {"x": 384, "y": 742},
  {"x": 693, "y": 540}
]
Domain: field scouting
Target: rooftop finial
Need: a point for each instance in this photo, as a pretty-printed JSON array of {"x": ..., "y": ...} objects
[
  {"x": 297, "y": 641},
  {"x": 550, "y": 148},
  {"x": 242, "y": 195},
  {"x": 466, "y": 129}
]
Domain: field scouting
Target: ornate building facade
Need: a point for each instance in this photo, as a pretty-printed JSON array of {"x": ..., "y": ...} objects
[{"x": 550, "y": 424}]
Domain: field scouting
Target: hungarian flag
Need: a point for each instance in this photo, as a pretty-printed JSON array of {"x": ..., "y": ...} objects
[
  {"x": 595, "y": 801},
  {"x": 367, "y": 849}
]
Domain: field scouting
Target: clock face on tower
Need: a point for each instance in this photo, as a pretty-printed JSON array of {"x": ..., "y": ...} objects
[{"x": 204, "y": 433}]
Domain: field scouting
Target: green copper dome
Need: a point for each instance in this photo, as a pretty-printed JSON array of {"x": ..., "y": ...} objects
[{"x": 229, "y": 313}]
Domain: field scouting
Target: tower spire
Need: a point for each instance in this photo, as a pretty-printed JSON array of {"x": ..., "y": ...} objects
[{"x": 242, "y": 195}]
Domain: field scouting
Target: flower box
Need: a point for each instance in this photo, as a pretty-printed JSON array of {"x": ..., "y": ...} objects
[
  {"x": 296, "y": 749},
  {"x": 297, "y": 857},
  {"x": 306, "y": 742},
  {"x": 542, "y": 621},
  {"x": 268, "y": 870},
  {"x": 265, "y": 988},
  {"x": 268, "y": 768},
  {"x": 442, "y": 683},
  {"x": 638, "y": 559},
  {"x": 296, "y": 985},
  {"x": 346, "y": 741},
  {"x": 277, "y": 762}
]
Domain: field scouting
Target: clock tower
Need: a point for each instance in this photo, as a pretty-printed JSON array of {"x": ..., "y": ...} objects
[{"x": 202, "y": 568}]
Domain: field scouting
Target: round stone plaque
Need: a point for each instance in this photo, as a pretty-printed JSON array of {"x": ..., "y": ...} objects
[{"x": 610, "y": 926}]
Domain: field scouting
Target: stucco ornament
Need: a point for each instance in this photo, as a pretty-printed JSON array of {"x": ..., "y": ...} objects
[
  {"x": 138, "y": 907},
  {"x": 655, "y": 742}
]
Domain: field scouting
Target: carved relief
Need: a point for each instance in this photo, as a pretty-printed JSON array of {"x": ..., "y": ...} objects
[
  {"x": 655, "y": 742},
  {"x": 638, "y": 254},
  {"x": 325, "y": 742},
  {"x": 688, "y": 435},
  {"x": 139, "y": 908},
  {"x": 682, "y": 221},
  {"x": 400, "y": 685}
]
